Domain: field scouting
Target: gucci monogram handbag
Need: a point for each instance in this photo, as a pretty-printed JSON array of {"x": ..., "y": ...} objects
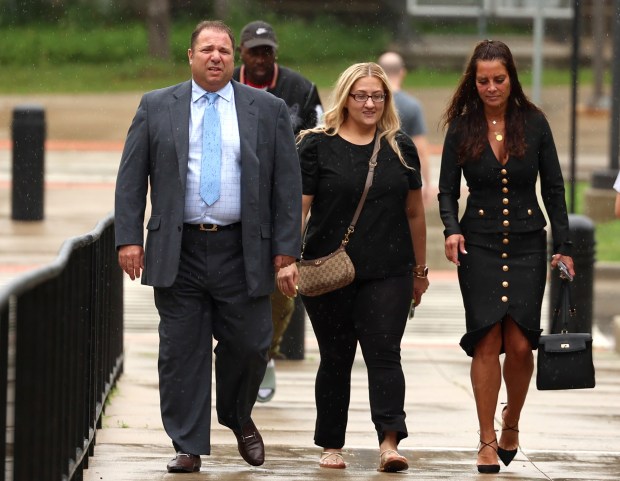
[
  {"x": 325, "y": 274},
  {"x": 335, "y": 270}
]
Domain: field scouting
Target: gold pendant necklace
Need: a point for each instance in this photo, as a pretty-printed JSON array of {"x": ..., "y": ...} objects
[{"x": 498, "y": 135}]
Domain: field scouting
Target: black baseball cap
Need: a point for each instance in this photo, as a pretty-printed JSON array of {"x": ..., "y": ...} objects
[{"x": 258, "y": 33}]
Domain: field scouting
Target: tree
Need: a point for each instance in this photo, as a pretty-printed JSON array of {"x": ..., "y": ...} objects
[
  {"x": 158, "y": 23},
  {"x": 220, "y": 9}
]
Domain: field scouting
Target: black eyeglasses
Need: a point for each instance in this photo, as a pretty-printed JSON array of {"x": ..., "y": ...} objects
[{"x": 376, "y": 98}]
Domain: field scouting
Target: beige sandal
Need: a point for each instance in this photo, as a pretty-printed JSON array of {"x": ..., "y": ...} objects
[
  {"x": 327, "y": 456},
  {"x": 392, "y": 464}
]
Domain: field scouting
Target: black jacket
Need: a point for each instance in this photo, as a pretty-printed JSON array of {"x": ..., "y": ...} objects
[
  {"x": 503, "y": 198},
  {"x": 299, "y": 94}
]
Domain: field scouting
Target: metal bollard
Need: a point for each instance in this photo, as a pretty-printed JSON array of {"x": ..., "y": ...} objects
[
  {"x": 28, "y": 162},
  {"x": 582, "y": 234},
  {"x": 292, "y": 345}
]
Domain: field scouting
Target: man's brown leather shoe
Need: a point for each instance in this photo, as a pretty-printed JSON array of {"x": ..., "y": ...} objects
[
  {"x": 250, "y": 444},
  {"x": 184, "y": 463}
]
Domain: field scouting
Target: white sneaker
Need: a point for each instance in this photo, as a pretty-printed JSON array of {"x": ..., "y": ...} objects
[{"x": 268, "y": 387}]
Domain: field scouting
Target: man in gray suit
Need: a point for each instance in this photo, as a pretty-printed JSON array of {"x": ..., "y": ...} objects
[{"x": 211, "y": 263}]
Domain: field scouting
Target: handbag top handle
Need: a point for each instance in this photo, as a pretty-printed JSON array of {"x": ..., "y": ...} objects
[{"x": 564, "y": 306}]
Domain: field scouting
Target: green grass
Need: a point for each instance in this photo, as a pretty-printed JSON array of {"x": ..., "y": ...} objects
[
  {"x": 580, "y": 192},
  {"x": 606, "y": 234},
  {"x": 113, "y": 58},
  {"x": 80, "y": 78},
  {"x": 52, "y": 59}
]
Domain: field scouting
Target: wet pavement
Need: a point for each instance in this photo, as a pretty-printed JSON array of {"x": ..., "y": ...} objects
[{"x": 564, "y": 435}]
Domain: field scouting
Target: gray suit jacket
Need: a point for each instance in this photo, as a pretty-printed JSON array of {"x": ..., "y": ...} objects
[{"x": 155, "y": 156}]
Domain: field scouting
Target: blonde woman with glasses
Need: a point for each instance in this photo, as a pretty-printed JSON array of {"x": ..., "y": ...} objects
[{"x": 373, "y": 310}]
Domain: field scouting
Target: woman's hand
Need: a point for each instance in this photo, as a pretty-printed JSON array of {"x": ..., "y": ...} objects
[
  {"x": 455, "y": 244},
  {"x": 420, "y": 284},
  {"x": 568, "y": 260},
  {"x": 287, "y": 279}
]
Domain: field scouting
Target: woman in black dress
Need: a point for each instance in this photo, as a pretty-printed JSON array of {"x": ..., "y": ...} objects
[
  {"x": 373, "y": 309},
  {"x": 501, "y": 143}
]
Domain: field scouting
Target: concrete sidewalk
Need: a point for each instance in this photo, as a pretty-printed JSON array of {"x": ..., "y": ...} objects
[{"x": 564, "y": 434}]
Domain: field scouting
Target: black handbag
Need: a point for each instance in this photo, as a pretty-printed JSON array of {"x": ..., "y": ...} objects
[{"x": 565, "y": 359}]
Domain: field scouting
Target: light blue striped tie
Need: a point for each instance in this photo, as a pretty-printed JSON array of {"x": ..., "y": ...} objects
[{"x": 211, "y": 162}]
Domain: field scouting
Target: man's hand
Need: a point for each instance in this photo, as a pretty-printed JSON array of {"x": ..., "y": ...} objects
[
  {"x": 280, "y": 261},
  {"x": 131, "y": 260}
]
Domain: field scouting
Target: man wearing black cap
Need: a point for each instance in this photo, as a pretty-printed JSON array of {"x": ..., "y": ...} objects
[{"x": 258, "y": 48}]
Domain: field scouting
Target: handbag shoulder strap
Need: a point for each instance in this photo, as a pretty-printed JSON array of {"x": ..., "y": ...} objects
[
  {"x": 564, "y": 306},
  {"x": 372, "y": 163}
]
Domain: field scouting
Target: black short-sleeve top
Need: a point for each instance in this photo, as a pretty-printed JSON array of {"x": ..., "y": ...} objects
[{"x": 334, "y": 172}]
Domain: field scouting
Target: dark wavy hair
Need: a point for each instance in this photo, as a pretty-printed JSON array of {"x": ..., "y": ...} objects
[{"x": 467, "y": 105}]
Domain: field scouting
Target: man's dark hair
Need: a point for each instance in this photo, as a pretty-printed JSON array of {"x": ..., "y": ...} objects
[{"x": 215, "y": 25}]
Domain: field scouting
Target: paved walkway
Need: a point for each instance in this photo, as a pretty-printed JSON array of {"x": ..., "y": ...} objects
[{"x": 565, "y": 435}]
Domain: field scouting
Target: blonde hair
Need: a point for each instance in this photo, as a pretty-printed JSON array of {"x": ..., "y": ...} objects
[{"x": 389, "y": 123}]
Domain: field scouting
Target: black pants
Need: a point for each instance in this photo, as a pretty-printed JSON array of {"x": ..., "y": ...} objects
[
  {"x": 209, "y": 299},
  {"x": 374, "y": 313}
]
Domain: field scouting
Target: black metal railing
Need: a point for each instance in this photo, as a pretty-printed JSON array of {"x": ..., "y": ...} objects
[{"x": 61, "y": 352}]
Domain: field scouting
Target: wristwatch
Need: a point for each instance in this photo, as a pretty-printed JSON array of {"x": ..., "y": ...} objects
[{"x": 421, "y": 272}]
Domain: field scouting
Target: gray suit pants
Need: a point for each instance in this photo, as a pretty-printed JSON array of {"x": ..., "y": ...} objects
[{"x": 207, "y": 301}]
